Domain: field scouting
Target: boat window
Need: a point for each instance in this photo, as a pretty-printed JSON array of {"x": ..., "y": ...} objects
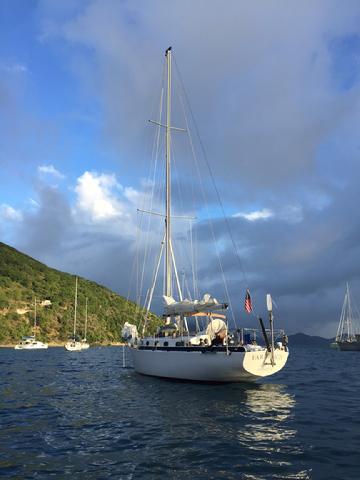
[
  {"x": 147, "y": 343},
  {"x": 179, "y": 344},
  {"x": 166, "y": 344}
]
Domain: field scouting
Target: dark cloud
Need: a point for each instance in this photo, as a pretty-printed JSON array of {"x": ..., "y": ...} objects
[
  {"x": 259, "y": 77},
  {"x": 44, "y": 233},
  {"x": 304, "y": 264}
]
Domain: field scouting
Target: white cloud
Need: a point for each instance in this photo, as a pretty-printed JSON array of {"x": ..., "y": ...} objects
[
  {"x": 50, "y": 170},
  {"x": 9, "y": 213},
  {"x": 15, "y": 68},
  {"x": 288, "y": 213},
  {"x": 134, "y": 196},
  {"x": 97, "y": 197},
  {"x": 256, "y": 215}
]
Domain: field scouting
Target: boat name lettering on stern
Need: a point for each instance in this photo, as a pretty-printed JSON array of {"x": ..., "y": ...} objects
[
  {"x": 261, "y": 356},
  {"x": 258, "y": 356}
]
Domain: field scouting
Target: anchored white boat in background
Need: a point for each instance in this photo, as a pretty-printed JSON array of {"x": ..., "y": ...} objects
[
  {"x": 30, "y": 342},
  {"x": 209, "y": 351},
  {"x": 74, "y": 345},
  {"x": 348, "y": 332}
]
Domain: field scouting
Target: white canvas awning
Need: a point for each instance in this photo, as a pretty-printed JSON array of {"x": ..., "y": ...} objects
[{"x": 189, "y": 307}]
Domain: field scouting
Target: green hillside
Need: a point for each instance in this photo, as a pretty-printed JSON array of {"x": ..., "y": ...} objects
[{"x": 22, "y": 279}]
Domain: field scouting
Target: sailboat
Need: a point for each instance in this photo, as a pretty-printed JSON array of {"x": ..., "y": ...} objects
[
  {"x": 211, "y": 354},
  {"x": 30, "y": 342},
  {"x": 74, "y": 345},
  {"x": 347, "y": 338},
  {"x": 84, "y": 343}
]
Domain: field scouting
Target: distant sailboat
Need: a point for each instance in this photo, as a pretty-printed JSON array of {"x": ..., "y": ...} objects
[
  {"x": 30, "y": 342},
  {"x": 74, "y": 345},
  {"x": 348, "y": 336}
]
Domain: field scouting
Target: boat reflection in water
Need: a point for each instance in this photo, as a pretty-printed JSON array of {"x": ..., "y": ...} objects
[
  {"x": 268, "y": 408},
  {"x": 269, "y": 428},
  {"x": 272, "y": 401}
]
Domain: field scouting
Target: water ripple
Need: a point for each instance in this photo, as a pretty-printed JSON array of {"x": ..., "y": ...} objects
[{"x": 82, "y": 415}]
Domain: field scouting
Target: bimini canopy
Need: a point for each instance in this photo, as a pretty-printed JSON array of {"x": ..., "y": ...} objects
[{"x": 189, "y": 307}]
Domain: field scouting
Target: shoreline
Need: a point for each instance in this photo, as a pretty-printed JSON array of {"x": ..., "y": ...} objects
[{"x": 61, "y": 344}]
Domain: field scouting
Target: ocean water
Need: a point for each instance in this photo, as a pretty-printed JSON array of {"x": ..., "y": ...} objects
[{"x": 81, "y": 415}]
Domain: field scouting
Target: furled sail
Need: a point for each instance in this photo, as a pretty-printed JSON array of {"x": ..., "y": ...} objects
[{"x": 189, "y": 307}]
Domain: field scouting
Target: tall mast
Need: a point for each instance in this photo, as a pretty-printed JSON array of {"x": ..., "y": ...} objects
[
  {"x": 348, "y": 311},
  {"x": 86, "y": 313},
  {"x": 349, "y": 325},
  {"x": 35, "y": 319},
  {"x": 76, "y": 285},
  {"x": 168, "y": 289}
]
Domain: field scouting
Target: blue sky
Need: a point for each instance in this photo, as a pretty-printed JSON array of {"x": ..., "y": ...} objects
[{"x": 275, "y": 90}]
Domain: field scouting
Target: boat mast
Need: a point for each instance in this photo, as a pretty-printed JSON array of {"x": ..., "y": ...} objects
[
  {"x": 76, "y": 286},
  {"x": 86, "y": 312},
  {"x": 349, "y": 318},
  {"x": 168, "y": 289},
  {"x": 348, "y": 311},
  {"x": 35, "y": 318}
]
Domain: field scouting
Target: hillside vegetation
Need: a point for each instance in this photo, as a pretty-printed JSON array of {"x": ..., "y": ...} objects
[{"x": 22, "y": 279}]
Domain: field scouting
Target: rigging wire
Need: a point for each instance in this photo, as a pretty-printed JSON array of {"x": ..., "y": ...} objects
[
  {"x": 205, "y": 200},
  {"x": 151, "y": 178},
  {"x": 211, "y": 175},
  {"x": 190, "y": 232},
  {"x": 192, "y": 262},
  {"x": 185, "y": 255},
  {"x": 156, "y": 147}
]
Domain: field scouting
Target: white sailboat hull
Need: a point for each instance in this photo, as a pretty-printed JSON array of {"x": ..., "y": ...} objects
[
  {"x": 32, "y": 346},
  {"x": 208, "y": 366},
  {"x": 73, "y": 346},
  {"x": 76, "y": 346}
]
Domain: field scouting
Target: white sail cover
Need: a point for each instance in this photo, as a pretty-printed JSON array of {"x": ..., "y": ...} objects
[
  {"x": 189, "y": 307},
  {"x": 215, "y": 327},
  {"x": 129, "y": 332}
]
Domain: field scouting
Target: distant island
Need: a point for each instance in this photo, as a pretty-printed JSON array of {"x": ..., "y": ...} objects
[
  {"x": 302, "y": 339},
  {"x": 23, "y": 278}
]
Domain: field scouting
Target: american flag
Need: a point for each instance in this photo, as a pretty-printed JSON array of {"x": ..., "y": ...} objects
[{"x": 247, "y": 303}]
